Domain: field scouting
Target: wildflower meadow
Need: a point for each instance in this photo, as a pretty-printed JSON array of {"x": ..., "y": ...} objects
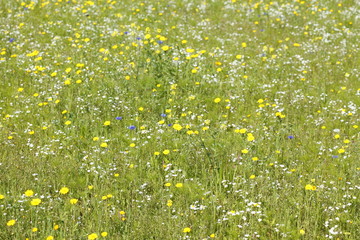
[{"x": 179, "y": 119}]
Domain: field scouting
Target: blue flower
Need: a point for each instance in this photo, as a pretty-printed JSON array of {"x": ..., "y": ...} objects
[
  {"x": 169, "y": 124},
  {"x": 118, "y": 118},
  {"x": 126, "y": 32},
  {"x": 335, "y": 156},
  {"x": 160, "y": 42},
  {"x": 138, "y": 38},
  {"x": 11, "y": 40},
  {"x": 132, "y": 127},
  {"x": 163, "y": 115},
  {"x": 290, "y": 137}
]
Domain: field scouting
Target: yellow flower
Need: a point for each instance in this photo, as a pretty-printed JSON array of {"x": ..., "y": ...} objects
[
  {"x": 95, "y": 139},
  {"x": 2, "y": 196},
  {"x": 67, "y": 122},
  {"x": 250, "y": 137},
  {"x": 104, "y": 234},
  {"x": 302, "y": 231},
  {"x": 179, "y": 185},
  {"x": 35, "y": 201},
  {"x": 132, "y": 145},
  {"x": 187, "y": 230},
  {"x": 34, "y": 229},
  {"x": 310, "y": 187},
  {"x": 92, "y": 236},
  {"x": 244, "y": 151},
  {"x": 217, "y": 100},
  {"x": 73, "y": 201},
  {"x": 252, "y": 176},
  {"x": 11, "y": 222},
  {"x": 177, "y": 127},
  {"x": 64, "y": 190},
  {"x": 106, "y": 123},
  {"x": 167, "y": 184},
  {"x": 50, "y": 238},
  {"x": 341, "y": 150},
  {"x": 104, "y": 145},
  {"x": 243, "y": 44},
  {"x": 29, "y": 193},
  {"x": 165, "y": 48},
  {"x": 166, "y": 151},
  {"x": 169, "y": 203}
]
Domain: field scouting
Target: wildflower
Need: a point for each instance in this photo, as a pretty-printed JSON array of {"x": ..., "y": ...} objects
[
  {"x": 186, "y": 230},
  {"x": 217, "y": 100},
  {"x": 35, "y": 201},
  {"x": 179, "y": 185},
  {"x": 177, "y": 127},
  {"x": 302, "y": 232},
  {"x": 106, "y": 123},
  {"x": 64, "y": 190},
  {"x": 118, "y": 118},
  {"x": 252, "y": 176},
  {"x": 50, "y": 238},
  {"x": 244, "y": 44},
  {"x": 341, "y": 150},
  {"x": 166, "y": 151},
  {"x": 250, "y": 137},
  {"x": 73, "y": 201},
  {"x": 104, "y": 234},
  {"x": 2, "y": 196},
  {"x": 104, "y": 145},
  {"x": 169, "y": 203},
  {"x": 132, "y": 127},
  {"x": 34, "y": 229},
  {"x": 67, "y": 122},
  {"x": 165, "y": 48},
  {"x": 290, "y": 137},
  {"x": 132, "y": 145},
  {"x": 29, "y": 193},
  {"x": 95, "y": 139},
  {"x": 11, "y": 222},
  {"x": 244, "y": 151},
  {"x": 167, "y": 184},
  {"x": 310, "y": 187},
  {"x": 92, "y": 236}
]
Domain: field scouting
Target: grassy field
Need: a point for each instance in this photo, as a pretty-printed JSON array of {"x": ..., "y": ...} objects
[{"x": 179, "y": 119}]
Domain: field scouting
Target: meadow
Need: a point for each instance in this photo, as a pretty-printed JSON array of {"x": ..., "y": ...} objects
[{"x": 201, "y": 119}]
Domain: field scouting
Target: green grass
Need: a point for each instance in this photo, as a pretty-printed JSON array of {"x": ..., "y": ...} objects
[{"x": 265, "y": 96}]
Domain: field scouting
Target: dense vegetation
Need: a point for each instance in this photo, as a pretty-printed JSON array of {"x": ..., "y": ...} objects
[{"x": 179, "y": 119}]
